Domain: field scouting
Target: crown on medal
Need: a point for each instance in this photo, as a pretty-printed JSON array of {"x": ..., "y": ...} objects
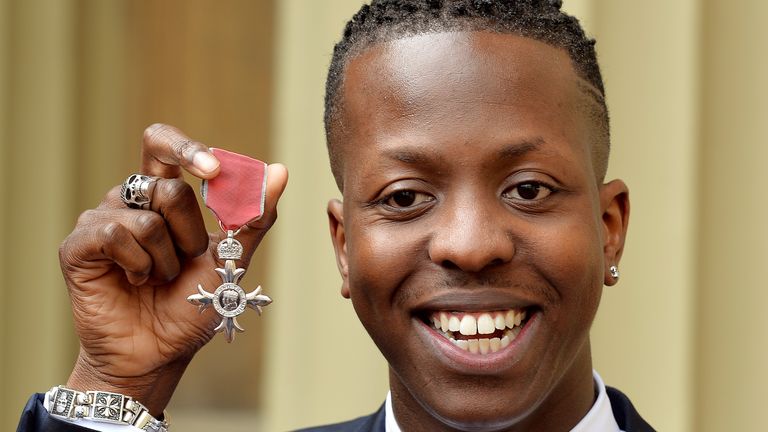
[{"x": 230, "y": 249}]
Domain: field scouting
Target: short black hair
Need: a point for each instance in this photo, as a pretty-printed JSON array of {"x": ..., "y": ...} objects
[{"x": 542, "y": 20}]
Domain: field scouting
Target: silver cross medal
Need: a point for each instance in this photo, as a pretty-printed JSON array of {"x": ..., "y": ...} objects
[
  {"x": 229, "y": 300},
  {"x": 235, "y": 196}
]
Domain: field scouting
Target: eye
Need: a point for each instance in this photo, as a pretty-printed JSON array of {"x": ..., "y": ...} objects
[
  {"x": 406, "y": 198},
  {"x": 528, "y": 191}
]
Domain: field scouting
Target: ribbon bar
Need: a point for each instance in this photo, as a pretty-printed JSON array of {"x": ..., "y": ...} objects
[{"x": 236, "y": 196}]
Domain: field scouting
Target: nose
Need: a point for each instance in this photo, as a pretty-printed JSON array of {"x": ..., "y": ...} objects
[{"x": 472, "y": 237}]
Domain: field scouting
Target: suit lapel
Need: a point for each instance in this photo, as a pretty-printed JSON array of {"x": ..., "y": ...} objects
[
  {"x": 626, "y": 415},
  {"x": 375, "y": 422}
]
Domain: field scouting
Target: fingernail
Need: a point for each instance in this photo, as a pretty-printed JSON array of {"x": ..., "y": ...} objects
[{"x": 205, "y": 162}]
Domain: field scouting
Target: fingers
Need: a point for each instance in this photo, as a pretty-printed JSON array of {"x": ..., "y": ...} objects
[
  {"x": 147, "y": 244},
  {"x": 119, "y": 245},
  {"x": 145, "y": 230},
  {"x": 251, "y": 234},
  {"x": 175, "y": 200},
  {"x": 166, "y": 150},
  {"x": 135, "y": 240}
]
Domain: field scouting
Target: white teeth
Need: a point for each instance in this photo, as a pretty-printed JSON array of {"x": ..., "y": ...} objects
[
  {"x": 495, "y": 344},
  {"x": 435, "y": 321},
  {"x": 485, "y": 324},
  {"x": 509, "y": 318},
  {"x": 468, "y": 326},
  {"x": 505, "y": 341},
  {"x": 498, "y": 321},
  {"x": 485, "y": 345},
  {"x": 453, "y": 323},
  {"x": 443, "y": 321}
]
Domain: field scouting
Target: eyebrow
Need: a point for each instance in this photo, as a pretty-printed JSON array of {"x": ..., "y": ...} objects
[
  {"x": 422, "y": 157},
  {"x": 413, "y": 157},
  {"x": 520, "y": 149}
]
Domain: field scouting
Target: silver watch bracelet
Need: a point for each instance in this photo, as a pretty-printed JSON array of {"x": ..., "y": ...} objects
[{"x": 102, "y": 406}]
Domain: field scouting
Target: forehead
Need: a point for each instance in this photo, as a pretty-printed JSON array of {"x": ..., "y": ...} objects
[
  {"x": 494, "y": 61},
  {"x": 474, "y": 87}
]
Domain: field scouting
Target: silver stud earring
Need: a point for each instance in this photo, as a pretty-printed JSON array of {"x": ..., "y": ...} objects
[{"x": 614, "y": 271}]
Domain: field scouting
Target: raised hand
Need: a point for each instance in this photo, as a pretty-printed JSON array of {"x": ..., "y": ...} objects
[{"x": 130, "y": 271}]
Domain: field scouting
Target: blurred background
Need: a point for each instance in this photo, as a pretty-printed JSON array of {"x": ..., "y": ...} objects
[{"x": 684, "y": 333}]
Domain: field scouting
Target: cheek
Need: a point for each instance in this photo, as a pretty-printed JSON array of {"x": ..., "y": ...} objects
[
  {"x": 572, "y": 260},
  {"x": 379, "y": 260}
]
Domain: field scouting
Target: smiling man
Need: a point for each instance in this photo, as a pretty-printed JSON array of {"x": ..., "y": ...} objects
[{"x": 470, "y": 141}]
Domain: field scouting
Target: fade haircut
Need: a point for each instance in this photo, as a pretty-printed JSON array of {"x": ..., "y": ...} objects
[{"x": 542, "y": 20}]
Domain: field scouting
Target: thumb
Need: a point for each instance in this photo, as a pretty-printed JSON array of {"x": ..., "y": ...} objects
[{"x": 251, "y": 234}]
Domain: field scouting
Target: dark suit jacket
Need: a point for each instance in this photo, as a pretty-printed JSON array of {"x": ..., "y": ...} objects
[
  {"x": 36, "y": 419},
  {"x": 623, "y": 411}
]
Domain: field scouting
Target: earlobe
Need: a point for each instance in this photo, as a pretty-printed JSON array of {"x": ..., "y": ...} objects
[
  {"x": 339, "y": 239},
  {"x": 614, "y": 204}
]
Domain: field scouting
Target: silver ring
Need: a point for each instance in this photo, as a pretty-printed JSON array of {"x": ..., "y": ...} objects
[{"x": 135, "y": 191}]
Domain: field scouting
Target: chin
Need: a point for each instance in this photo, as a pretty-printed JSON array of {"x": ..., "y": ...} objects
[
  {"x": 469, "y": 403},
  {"x": 470, "y": 418}
]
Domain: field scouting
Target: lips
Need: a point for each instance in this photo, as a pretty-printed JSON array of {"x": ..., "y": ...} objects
[{"x": 479, "y": 332}]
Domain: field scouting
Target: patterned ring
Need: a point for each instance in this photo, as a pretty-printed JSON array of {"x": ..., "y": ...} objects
[{"x": 135, "y": 191}]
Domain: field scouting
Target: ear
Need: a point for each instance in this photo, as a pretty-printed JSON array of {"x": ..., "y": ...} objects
[
  {"x": 339, "y": 239},
  {"x": 614, "y": 205}
]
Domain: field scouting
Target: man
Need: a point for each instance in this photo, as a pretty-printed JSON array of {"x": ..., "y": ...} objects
[{"x": 470, "y": 141}]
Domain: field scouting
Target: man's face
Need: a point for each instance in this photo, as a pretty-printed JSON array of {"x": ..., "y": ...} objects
[{"x": 474, "y": 238}]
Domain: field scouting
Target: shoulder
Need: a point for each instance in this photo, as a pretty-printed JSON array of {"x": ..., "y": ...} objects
[
  {"x": 369, "y": 423},
  {"x": 624, "y": 412}
]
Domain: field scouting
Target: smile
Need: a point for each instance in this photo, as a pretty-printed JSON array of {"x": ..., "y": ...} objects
[{"x": 479, "y": 332}]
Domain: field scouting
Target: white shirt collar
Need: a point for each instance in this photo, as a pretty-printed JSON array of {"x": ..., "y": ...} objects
[{"x": 598, "y": 419}]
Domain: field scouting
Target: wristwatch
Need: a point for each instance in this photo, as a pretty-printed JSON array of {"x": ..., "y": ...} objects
[{"x": 102, "y": 406}]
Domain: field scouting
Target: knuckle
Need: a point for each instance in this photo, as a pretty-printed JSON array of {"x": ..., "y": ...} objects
[
  {"x": 87, "y": 217},
  {"x": 184, "y": 149},
  {"x": 174, "y": 190},
  {"x": 113, "y": 233},
  {"x": 69, "y": 262},
  {"x": 112, "y": 196},
  {"x": 64, "y": 251},
  {"x": 153, "y": 130},
  {"x": 149, "y": 226}
]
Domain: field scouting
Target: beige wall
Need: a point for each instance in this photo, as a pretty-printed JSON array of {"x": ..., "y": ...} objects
[
  {"x": 682, "y": 333},
  {"x": 321, "y": 366},
  {"x": 644, "y": 334},
  {"x": 37, "y": 90},
  {"x": 732, "y": 336}
]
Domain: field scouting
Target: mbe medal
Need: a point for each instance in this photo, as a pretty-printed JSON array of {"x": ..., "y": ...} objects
[{"x": 236, "y": 196}]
